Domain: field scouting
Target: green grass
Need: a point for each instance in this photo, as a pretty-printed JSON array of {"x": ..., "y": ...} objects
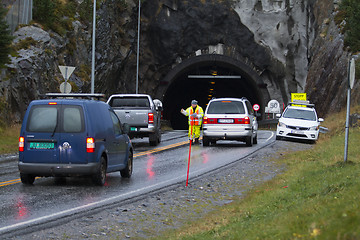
[
  {"x": 316, "y": 198},
  {"x": 9, "y": 139}
]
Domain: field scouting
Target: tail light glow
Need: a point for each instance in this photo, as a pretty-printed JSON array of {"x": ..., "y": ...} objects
[
  {"x": 151, "y": 118},
  {"x": 205, "y": 121},
  {"x": 245, "y": 120},
  {"x": 21, "y": 144},
  {"x": 90, "y": 145}
]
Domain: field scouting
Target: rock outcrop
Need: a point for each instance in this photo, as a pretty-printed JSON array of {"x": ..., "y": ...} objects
[{"x": 292, "y": 46}]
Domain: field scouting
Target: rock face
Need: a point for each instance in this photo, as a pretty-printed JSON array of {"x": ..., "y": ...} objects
[{"x": 280, "y": 40}]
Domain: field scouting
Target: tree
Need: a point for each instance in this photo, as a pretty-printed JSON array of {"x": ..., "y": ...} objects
[
  {"x": 352, "y": 28},
  {"x": 44, "y": 12},
  {"x": 5, "y": 38}
]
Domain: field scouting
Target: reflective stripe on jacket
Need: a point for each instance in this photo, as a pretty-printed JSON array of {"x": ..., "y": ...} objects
[{"x": 195, "y": 120}]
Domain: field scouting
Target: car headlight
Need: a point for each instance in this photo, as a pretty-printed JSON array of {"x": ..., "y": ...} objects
[
  {"x": 315, "y": 128},
  {"x": 280, "y": 124}
]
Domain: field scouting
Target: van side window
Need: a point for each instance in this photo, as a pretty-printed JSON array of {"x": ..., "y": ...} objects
[
  {"x": 73, "y": 119},
  {"x": 116, "y": 123},
  {"x": 42, "y": 119}
]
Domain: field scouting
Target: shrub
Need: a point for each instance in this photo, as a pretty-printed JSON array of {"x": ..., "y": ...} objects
[{"x": 350, "y": 11}]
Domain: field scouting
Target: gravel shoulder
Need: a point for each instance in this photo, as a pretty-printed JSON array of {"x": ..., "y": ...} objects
[{"x": 175, "y": 206}]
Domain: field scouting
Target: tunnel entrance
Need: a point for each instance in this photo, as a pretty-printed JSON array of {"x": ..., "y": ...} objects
[{"x": 204, "y": 78}]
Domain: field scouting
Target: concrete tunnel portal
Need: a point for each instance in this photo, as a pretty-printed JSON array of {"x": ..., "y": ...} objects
[{"x": 206, "y": 77}]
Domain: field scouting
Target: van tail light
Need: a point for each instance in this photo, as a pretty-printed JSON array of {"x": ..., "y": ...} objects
[
  {"x": 90, "y": 145},
  {"x": 151, "y": 118},
  {"x": 246, "y": 120},
  {"x": 205, "y": 121},
  {"x": 21, "y": 144}
]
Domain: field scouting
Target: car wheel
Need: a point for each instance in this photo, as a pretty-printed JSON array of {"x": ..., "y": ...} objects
[
  {"x": 205, "y": 141},
  {"x": 27, "y": 179},
  {"x": 249, "y": 141},
  {"x": 255, "y": 139},
  {"x": 127, "y": 171},
  {"x": 100, "y": 177}
]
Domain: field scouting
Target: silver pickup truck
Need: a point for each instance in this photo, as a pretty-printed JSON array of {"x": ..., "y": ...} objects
[{"x": 142, "y": 114}]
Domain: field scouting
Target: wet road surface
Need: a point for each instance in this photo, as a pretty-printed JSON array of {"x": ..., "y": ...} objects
[{"x": 154, "y": 168}]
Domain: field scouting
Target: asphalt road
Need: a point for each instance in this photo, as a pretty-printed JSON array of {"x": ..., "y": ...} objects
[{"x": 30, "y": 207}]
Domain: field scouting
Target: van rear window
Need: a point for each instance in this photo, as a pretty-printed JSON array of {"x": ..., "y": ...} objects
[
  {"x": 226, "y": 107},
  {"x": 72, "y": 119},
  {"x": 56, "y": 118},
  {"x": 42, "y": 119}
]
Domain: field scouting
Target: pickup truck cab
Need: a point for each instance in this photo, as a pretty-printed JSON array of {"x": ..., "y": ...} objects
[
  {"x": 141, "y": 113},
  {"x": 73, "y": 137}
]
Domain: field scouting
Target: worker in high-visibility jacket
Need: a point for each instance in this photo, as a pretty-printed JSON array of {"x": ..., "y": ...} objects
[{"x": 195, "y": 114}]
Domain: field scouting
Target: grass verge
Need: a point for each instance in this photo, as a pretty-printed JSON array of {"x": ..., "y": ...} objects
[
  {"x": 9, "y": 139},
  {"x": 316, "y": 198}
]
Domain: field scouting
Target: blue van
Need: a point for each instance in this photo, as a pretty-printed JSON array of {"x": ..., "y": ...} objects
[{"x": 73, "y": 137}]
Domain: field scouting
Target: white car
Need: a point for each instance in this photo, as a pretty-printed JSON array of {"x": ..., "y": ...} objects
[
  {"x": 299, "y": 122},
  {"x": 229, "y": 119}
]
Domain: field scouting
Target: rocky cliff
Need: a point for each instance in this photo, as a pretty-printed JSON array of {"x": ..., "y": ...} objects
[{"x": 293, "y": 47}]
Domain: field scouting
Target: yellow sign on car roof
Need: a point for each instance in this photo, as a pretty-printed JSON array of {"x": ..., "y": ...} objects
[{"x": 298, "y": 97}]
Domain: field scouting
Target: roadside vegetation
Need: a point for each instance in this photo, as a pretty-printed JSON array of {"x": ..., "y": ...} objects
[
  {"x": 9, "y": 139},
  {"x": 348, "y": 19},
  {"x": 5, "y": 38},
  {"x": 317, "y": 197}
]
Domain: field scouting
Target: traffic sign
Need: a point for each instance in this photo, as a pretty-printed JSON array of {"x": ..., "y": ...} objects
[
  {"x": 65, "y": 87},
  {"x": 273, "y": 107},
  {"x": 66, "y": 71},
  {"x": 352, "y": 73},
  {"x": 256, "y": 107}
]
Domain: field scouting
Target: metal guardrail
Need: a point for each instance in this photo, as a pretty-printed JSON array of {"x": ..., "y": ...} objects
[{"x": 20, "y": 12}]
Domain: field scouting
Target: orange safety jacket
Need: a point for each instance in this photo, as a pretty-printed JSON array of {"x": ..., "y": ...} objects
[{"x": 194, "y": 120}]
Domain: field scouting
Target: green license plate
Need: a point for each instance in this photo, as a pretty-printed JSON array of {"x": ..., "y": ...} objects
[
  {"x": 134, "y": 129},
  {"x": 42, "y": 145}
]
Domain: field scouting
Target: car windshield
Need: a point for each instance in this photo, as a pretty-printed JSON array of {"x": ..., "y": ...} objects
[
  {"x": 300, "y": 114},
  {"x": 226, "y": 107},
  {"x": 130, "y": 102}
]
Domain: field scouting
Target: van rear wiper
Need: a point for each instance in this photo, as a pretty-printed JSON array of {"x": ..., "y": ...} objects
[{"x": 53, "y": 133}]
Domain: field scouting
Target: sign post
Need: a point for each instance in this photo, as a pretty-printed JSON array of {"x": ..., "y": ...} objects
[{"x": 351, "y": 81}]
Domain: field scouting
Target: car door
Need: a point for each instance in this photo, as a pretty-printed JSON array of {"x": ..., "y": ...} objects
[
  {"x": 118, "y": 148},
  {"x": 41, "y": 134}
]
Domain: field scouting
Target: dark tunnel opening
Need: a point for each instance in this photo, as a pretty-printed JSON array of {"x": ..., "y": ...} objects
[{"x": 204, "y": 83}]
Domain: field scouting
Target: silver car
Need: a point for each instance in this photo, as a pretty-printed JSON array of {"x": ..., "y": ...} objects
[{"x": 229, "y": 119}]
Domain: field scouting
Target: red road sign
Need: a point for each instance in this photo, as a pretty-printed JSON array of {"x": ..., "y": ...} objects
[{"x": 256, "y": 107}]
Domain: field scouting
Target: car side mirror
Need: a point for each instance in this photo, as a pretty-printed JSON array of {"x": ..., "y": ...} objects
[
  {"x": 126, "y": 128},
  {"x": 278, "y": 115},
  {"x": 321, "y": 119}
]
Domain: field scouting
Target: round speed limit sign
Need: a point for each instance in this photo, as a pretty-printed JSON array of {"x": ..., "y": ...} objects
[{"x": 256, "y": 107}]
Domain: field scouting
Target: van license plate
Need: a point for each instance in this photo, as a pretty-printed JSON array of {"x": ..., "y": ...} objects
[{"x": 42, "y": 145}]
